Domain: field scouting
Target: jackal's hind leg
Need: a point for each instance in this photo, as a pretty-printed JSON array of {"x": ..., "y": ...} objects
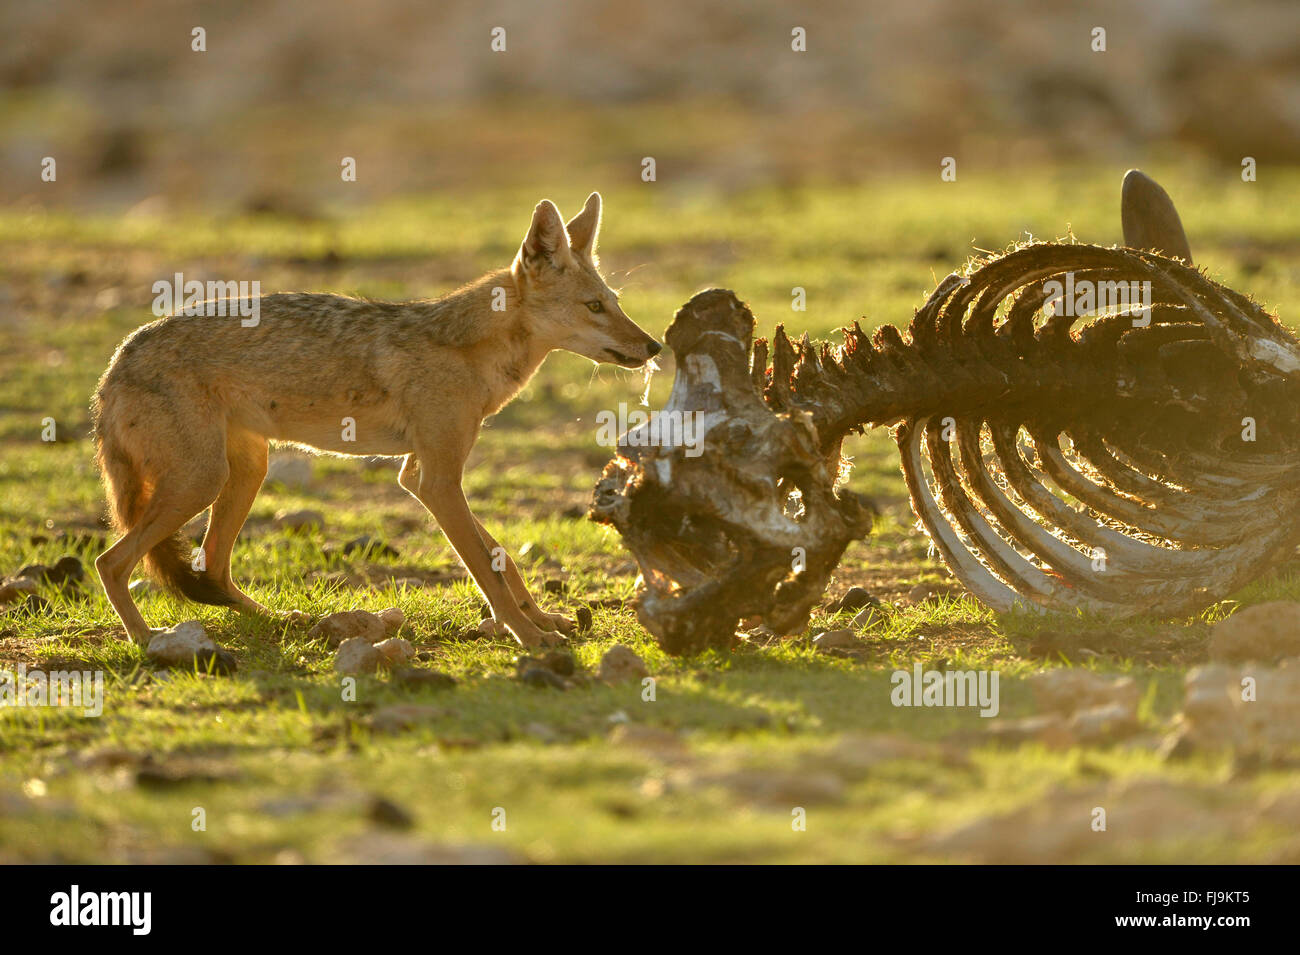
[
  {"x": 246, "y": 454},
  {"x": 175, "y": 500}
]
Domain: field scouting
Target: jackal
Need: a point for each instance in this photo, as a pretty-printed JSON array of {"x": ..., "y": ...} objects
[{"x": 186, "y": 409}]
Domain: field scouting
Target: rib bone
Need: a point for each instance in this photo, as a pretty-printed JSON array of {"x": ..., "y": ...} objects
[{"x": 1138, "y": 494}]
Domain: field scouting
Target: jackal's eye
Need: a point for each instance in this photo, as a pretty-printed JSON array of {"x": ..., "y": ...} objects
[{"x": 596, "y": 305}]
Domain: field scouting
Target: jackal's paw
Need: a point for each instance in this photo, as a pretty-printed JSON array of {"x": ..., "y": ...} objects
[
  {"x": 556, "y": 621},
  {"x": 533, "y": 637}
]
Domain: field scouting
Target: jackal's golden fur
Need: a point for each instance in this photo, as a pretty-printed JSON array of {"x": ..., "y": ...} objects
[{"x": 184, "y": 413}]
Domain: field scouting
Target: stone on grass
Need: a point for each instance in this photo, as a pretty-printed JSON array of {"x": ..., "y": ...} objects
[
  {"x": 17, "y": 588},
  {"x": 1267, "y": 631},
  {"x": 1069, "y": 690},
  {"x": 833, "y": 639},
  {"x": 854, "y": 599},
  {"x": 1101, "y": 724},
  {"x": 357, "y": 656},
  {"x": 396, "y": 651},
  {"x": 186, "y": 645},
  {"x": 356, "y": 624},
  {"x": 1251, "y": 707},
  {"x": 620, "y": 664}
]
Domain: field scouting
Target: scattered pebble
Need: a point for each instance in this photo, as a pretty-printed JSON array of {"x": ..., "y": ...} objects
[
  {"x": 17, "y": 588},
  {"x": 620, "y": 664},
  {"x": 834, "y": 639},
  {"x": 854, "y": 599},
  {"x": 357, "y": 655},
  {"x": 187, "y": 645},
  {"x": 1267, "y": 631},
  {"x": 396, "y": 651},
  {"x": 1069, "y": 690},
  {"x": 357, "y": 624},
  {"x": 387, "y": 813}
]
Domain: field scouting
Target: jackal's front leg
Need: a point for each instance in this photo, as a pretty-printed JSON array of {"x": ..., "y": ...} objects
[
  {"x": 519, "y": 589},
  {"x": 439, "y": 490}
]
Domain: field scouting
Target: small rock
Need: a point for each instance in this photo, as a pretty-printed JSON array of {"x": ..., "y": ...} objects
[
  {"x": 357, "y": 656},
  {"x": 387, "y": 813},
  {"x": 301, "y": 520},
  {"x": 395, "y": 651},
  {"x": 560, "y": 662},
  {"x": 854, "y": 599},
  {"x": 1267, "y": 632},
  {"x": 356, "y": 624},
  {"x": 1103, "y": 723},
  {"x": 1068, "y": 690},
  {"x": 620, "y": 664},
  {"x": 584, "y": 619},
  {"x": 1047, "y": 728},
  {"x": 36, "y": 572},
  {"x": 17, "y": 588},
  {"x": 66, "y": 570},
  {"x": 180, "y": 645},
  {"x": 555, "y": 586},
  {"x": 186, "y": 645},
  {"x": 834, "y": 639}
]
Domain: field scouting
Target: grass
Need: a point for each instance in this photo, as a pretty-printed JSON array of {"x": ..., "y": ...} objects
[{"x": 285, "y": 769}]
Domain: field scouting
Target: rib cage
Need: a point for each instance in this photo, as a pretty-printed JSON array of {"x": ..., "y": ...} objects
[
  {"x": 1174, "y": 509},
  {"x": 1033, "y": 446}
]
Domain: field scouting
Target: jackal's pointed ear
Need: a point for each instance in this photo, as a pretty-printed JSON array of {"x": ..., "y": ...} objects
[
  {"x": 584, "y": 228},
  {"x": 1150, "y": 219},
  {"x": 546, "y": 242}
]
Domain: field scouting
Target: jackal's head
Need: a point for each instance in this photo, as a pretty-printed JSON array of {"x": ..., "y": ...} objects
[{"x": 568, "y": 304}]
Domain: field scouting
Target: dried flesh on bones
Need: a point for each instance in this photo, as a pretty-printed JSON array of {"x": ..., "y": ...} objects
[{"x": 1121, "y": 462}]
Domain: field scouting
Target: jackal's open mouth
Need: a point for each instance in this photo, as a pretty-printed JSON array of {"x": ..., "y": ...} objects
[{"x": 625, "y": 360}]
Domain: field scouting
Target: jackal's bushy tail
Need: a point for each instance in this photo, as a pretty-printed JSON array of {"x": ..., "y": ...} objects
[{"x": 128, "y": 497}]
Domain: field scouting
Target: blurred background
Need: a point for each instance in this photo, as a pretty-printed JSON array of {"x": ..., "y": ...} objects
[{"x": 587, "y": 88}]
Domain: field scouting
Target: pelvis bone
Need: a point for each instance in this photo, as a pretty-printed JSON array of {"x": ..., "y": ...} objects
[{"x": 1145, "y": 462}]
